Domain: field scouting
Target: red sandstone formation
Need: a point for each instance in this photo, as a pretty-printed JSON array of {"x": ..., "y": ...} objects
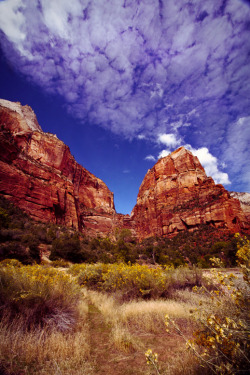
[
  {"x": 39, "y": 174},
  {"x": 176, "y": 195},
  {"x": 244, "y": 199}
]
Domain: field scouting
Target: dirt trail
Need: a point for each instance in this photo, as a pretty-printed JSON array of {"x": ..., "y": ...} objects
[
  {"x": 108, "y": 360},
  {"x": 105, "y": 357}
]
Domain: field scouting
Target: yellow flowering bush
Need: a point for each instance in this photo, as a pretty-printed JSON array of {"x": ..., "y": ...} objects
[
  {"x": 10, "y": 262},
  {"x": 134, "y": 281},
  {"x": 221, "y": 343},
  {"x": 243, "y": 255},
  {"x": 89, "y": 274},
  {"x": 39, "y": 296}
]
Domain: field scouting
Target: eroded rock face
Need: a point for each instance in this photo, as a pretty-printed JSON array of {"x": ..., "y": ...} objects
[
  {"x": 39, "y": 174},
  {"x": 176, "y": 195},
  {"x": 244, "y": 199}
]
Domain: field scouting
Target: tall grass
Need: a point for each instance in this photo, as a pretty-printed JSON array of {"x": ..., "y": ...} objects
[
  {"x": 40, "y": 297},
  {"x": 220, "y": 343},
  {"x": 43, "y": 322},
  {"x": 128, "y": 321},
  {"x": 51, "y": 325},
  {"x": 45, "y": 351}
]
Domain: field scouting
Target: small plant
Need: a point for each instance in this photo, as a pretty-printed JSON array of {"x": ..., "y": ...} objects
[
  {"x": 224, "y": 334},
  {"x": 152, "y": 360}
]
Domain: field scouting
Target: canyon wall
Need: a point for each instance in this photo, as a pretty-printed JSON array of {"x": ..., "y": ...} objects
[
  {"x": 39, "y": 174},
  {"x": 244, "y": 199},
  {"x": 176, "y": 195}
]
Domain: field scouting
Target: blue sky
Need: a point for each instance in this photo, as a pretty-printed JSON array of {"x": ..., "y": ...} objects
[{"x": 125, "y": 82}]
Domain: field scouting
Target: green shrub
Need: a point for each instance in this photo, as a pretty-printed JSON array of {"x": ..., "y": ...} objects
[
  {"x": 67, "y": 247},
  {"x": 31, "y": 241},
  {"x": 10, "y": 235},
  {"x": 4, "y": 218},
  {"x": 15, "y": 250}
]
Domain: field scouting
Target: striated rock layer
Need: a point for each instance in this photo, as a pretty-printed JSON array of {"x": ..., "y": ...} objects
[
  {"x": 244, "y": 199},
  {"x": 39, "y": 174},
  {"x": 176, "y": 195}
]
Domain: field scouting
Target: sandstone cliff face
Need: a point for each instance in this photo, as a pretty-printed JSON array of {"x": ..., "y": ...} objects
[
  {"x": 176, "y": 195},
  {"x": 244, "y": 199},
  {"x": 39, "y": 174}
]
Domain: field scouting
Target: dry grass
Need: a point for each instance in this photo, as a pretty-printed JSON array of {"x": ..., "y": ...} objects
[
  {"x": 135, "y": 325},
  {"x": 110, "y": 337},
  {"x": 184, "y": 364},
  {"x": 43, "y": 352},
  {"x": 144, "y": 315},
  {"x": 149, "y": 316}
]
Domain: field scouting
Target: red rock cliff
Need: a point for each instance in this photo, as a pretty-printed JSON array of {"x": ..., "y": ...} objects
[
  {"x": 39, "y": 174},
  {"x": 244, "y": 199},
  {"x": 176, "y": 195}
]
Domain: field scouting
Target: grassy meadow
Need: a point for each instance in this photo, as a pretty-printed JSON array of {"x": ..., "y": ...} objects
[
  {"x": 121, "y": 319},
  {"x": 72, "y": 305}
]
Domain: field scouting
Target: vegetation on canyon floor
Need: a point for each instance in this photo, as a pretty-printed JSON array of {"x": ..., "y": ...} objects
[
  {"x": 221, "y": 343},
  {"x": 81, "y": 319},
  {"x": 96, "y": 308},
  {"x": 23, "y": 239}
]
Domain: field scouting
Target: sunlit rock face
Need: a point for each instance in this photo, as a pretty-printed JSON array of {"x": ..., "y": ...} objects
[
  {"x": 22, "y": 119},
  {"x": 244, "y": 199},
  {"x": 176, "y": 195},
  {"x": 39, "y": 174}
]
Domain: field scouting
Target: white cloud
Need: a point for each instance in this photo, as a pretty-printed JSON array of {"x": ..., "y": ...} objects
[
  {"x": 141, "y": 136},
  {"x": 150, "y": 158},
  {"x": 211, "y": 164},
  {"x": 236, "y": 152},
  {"x": 12, "y": 20},
  {"x": 169, "y": 140},
  {"x": 12, "y": 23},
  {"x": 56, "y": 14},
  {"x": 157, "y": 91},
  {"x": 177, "y": 124},
  {"x": 164, "y": 153},
  {"x": 139, "y": 68}
]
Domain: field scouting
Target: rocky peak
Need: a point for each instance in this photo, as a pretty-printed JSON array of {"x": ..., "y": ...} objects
[
  {"x": 25, "y": 117},
  {"x": 176, "y": 195},
  {"x": 39, "y": 174},
  {"x": 244, "y": 199}
]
